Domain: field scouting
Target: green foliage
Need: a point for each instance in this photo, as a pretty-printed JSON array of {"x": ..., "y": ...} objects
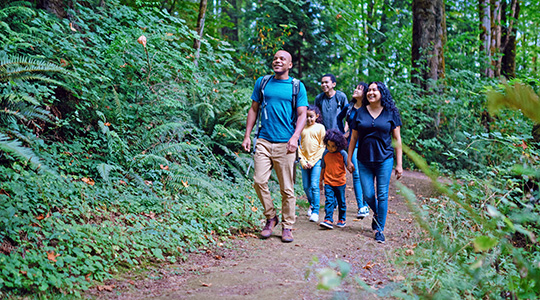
[
  {"x": 482, "y": 230},
  {"x": 145, "y": 163}
]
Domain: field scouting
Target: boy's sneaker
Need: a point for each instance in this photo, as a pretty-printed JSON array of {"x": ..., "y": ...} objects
[
  {"x": 379, "y": 237},
  {"x": 309, "y": 211},
  {"x": 326, "y": 224},
  {"x": 341, "y": 223},
  {"x": 314, "y": 217},
  {"x": 362, "y": 212}
]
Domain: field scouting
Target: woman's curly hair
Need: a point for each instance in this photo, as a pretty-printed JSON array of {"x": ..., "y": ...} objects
[
  {"x": 337, "y": 137},
  {"x": 317, "y": 111},
  {"x": 386, "y": 98}
]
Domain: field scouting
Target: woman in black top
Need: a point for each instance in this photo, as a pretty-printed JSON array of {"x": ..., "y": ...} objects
[
  {"x": 348, "y": 113},
  {"x": 375, "y": 124}
]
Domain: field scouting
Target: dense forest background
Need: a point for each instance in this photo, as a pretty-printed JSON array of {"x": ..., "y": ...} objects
[{"x": 121, "y": 124}]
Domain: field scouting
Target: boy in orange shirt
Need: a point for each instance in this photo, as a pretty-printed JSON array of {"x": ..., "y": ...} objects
[{"x": 334, "y": 162}]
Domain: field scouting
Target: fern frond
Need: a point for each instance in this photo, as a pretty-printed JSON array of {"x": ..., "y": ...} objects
[
  {"x": 151, "y": 159},
  {"x": 16, "y": 149},
  {"x": 105, "y": 169},
  {"x": 170, "y": 149},
  {"x": 173, "y": 129},
  {"x": 18, "y": 97},
  {"x": 16, "y": 67}
]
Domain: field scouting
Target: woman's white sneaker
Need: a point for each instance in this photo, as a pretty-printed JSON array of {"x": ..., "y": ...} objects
[{"x": 314, "y": 217}]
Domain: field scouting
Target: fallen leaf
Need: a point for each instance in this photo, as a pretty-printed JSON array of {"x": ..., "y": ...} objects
[
  {"x": 206, "y": 284},
  {"x": 409, "y": 252},
  {"x": 52, "y": 256},
  {"x": 88, "y": 181},
  {"x": 71, "y": 27},
  {"x": 369, "y": 265},
  {"x": 164, "y": 167},
  {"x": 253, "y": 209},
  {"x": 108, "y": 288},
  {"x": 185, "y": 183},
  {"x": 87, "y": 277}
]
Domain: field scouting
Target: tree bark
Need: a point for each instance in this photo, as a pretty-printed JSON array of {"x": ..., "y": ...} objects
[
  {"x": 495, "y": 46},
  {"x": 484, "y": 12},
  {"x": 429, "y": 40},
  {"x": 508, "y": 64},
  {"x": 200, "y": 28},
  {"x": 56, "y": 7}
]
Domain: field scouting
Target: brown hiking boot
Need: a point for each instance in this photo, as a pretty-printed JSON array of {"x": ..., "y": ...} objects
[
  {"x": 269, "y": 227},
  {"x": 286, "y": 236}
]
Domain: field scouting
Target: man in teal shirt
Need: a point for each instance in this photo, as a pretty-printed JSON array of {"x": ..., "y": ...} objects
[{"x": 277, "y": 141}]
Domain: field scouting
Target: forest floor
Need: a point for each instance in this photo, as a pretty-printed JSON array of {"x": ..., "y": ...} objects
[{"x": 247, "y": 267}]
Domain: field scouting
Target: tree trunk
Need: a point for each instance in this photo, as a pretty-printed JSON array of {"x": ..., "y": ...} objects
[
  {"x": 484, "y": 13},
  {"x": 429, "y": 40},
  {"x": 231, "y": 33},
  {"x": 200, "y": 27},
  {"x": 57, "y": 7},
  {"x": 495, "y": 47},
  {"x": 508, "y": 64}
]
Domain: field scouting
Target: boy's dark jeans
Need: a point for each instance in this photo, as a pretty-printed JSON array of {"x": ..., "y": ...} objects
[{"x": 335, "y": 196}]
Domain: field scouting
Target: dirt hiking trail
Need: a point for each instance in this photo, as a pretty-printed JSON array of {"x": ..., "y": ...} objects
[{"x": 251, "y": 268}]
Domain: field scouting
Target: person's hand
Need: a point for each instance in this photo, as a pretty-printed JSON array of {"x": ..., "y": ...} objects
[
  {"x": 399, "y": 172},
  {"x": 308, "y": 166},
  {"x": 246, "y": 144},
  {"x": 346, "y": 134},
  {"x": 292, "y": 145},
  {"x": 350, "y": 166}
]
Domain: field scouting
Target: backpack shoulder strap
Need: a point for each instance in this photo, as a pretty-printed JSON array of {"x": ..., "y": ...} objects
[
  {"x": 262, "y": 103},
  {"x": 295, "y": 92},
  {"x": 264, "y": 81}
]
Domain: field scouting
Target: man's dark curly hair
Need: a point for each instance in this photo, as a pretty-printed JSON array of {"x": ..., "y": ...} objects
[
  {"x": 386, "y": 98},
  {"x": 317, "y": 111},
  {"x": 337, "y": 137}
]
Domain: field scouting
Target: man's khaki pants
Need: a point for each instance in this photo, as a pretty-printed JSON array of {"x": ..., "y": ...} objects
[{"x": 270, "y": 156}]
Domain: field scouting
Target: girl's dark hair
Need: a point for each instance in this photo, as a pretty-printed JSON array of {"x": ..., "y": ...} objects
[
  {"x": 317, "y": 111},
  {"x": 353, "y": 101},
  {"x": 337, "y": 137},
  {"x": 386, "y": 98},
  {"x": 365, "y": 86}
]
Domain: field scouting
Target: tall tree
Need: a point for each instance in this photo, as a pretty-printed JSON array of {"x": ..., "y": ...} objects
[
  {"x": 200, "y": 28},
  {"x": 484, "y": 12},
  {"x": 508, "y": 44},
  {"x": 428, "y": 42}
]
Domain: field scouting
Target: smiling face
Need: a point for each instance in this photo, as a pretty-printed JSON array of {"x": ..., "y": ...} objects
[
  {"x": 373, "y": 94},
  {"x": 311, "y": 117},
  {"x": 327, "y": 85},
  {"x": 282, "y": 63},
  {"x": 358, "y": 93},
  {"x": 331, "y": 146}
]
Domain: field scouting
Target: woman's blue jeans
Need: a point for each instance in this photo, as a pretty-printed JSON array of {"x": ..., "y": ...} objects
[
  {"x": 310, "y": 182},
  {"x": 356, "y": 181},
  {"x": 335, "y": 196},
  {"x": 380, "y": 171}
]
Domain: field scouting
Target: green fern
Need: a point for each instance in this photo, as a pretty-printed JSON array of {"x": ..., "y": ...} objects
[{"x": 15, "y": 148}]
